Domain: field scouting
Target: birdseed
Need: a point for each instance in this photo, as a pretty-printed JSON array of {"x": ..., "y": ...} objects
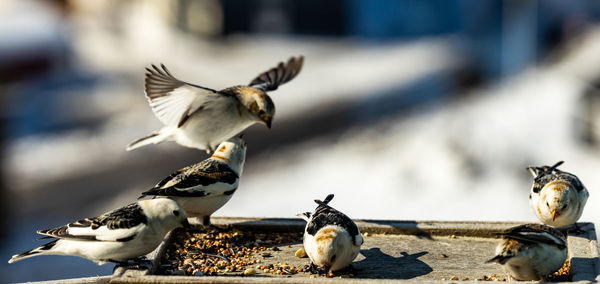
[{"x": 233, "y": 252}]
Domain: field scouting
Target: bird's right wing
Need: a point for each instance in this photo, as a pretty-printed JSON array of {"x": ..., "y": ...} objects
[
  {"x": 174, "y": 101},
  {"x": 118, "y": 225},
  {"x": 205, "y": 178}
]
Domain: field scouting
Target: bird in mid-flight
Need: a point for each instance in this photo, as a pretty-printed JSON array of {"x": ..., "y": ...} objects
[
  {"x": 203, "y": 188},
  {"x": 116, "y": 236},
  {"x": 331, "y": 239},
  {"x": 557, "y": 198},
  {"x": 199, "y": 117}
]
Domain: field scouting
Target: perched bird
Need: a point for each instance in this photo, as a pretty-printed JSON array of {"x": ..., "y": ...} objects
[
  {"x": 199, "y": 117},
  {"x": 531, "y": 252},
  {"x": 203, "y": 188},
  {"x": 116, "y": 236},
  {"x": 331, "y": 239},
  {"x": 557, "y": 198}
]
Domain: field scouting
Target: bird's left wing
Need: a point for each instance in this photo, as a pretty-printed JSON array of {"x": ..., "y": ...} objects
[
  {"x": 536, "y": 233},
  {"x": 205, "y": 178},
  {"x": 174, "y": 101},
  {"x": 282, "y": 73},
  {"x": 117, "y": 225}
]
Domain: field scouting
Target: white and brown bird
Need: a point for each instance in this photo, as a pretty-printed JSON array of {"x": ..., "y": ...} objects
[
  {"x": 557, "y": 198},
  {"x": 200, "y": 117},
  {"x": 531, "y": 252},
  {"x": 331, "y": 239},
  {"x": 116, "y": 236},
  {"x": 203, "y": 188}
]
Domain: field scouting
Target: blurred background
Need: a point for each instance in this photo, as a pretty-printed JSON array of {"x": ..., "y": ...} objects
[{"x": 407, "y": 110}]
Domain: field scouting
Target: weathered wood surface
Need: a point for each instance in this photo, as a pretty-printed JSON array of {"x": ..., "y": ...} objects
[{"x": 394, "y": 251}]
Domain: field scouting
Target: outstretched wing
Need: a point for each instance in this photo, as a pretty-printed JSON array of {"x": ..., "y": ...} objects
[
  {"x": 205, "y": 178},
  {"x": 174, "y": 101},
  {"x": 282, "y": 73},
  {"x": 118, "y": 225}
]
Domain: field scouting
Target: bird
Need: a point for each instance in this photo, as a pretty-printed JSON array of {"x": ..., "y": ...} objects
[
  {"x": 331, "y": 239},
  {"x": 557, "y": 198},
  {"x": 203, "y": 188},
  {"x": 199, "y": 117},
  {"x": 531, "y": 252},
  {"x": 117, "y": 236}
]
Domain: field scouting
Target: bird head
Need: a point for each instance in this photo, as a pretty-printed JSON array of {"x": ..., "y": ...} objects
[
  {"x": 166, "y": 212},
  {"x": 259, "y": 104},
  {"x": 557, "y": 197},
  {"x": 232, "y": 152}
]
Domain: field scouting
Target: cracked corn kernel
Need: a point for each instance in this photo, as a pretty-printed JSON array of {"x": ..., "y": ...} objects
[{"x": 301, "y": 253}]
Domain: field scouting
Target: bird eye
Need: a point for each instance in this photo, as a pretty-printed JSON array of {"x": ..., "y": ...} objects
[
  {"x": 261, "y": 112},
  {"x": 547, "y": 204},
  {"x": 176, "y": 212},
  {"x": 564, "y": 207}
]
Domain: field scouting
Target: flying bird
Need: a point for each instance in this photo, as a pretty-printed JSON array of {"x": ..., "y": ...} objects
[
  {"x": 116, "y": 236},
  {"x": 531, "y": 252},
  {"x": 331, "y": 239},
  {"x": 203, "y": 188},
  {"x": 557, "y": 198},
  {"x": 199, "y": 117}
]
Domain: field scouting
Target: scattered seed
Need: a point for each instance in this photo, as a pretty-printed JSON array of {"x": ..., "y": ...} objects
[
  {"x": 249, "y": 271},
  {"x": 301, "y": 253}
]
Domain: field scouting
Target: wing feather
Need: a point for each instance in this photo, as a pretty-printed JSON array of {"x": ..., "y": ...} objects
[
  {"x": 279, "y": 75},
  {"x": 207, "y": 177},
  {"x": 120, "y": 224},
  {"x": 173, "y": 100}
]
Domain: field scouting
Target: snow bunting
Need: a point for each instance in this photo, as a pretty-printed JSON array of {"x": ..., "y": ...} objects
[
  {"x": 203, "y": 188},
  {"x": 557, "y": 198},
  {"x": 531, "y": 252},
  {"x": 199, "y": 117},
  {"x": 116, "y": 236},
  {"x": 331, "y": 239}
]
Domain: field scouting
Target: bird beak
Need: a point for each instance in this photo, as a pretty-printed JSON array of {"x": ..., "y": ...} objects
[
  {"x": 328, "y": 272},
  {"x": 186, "y": 224},
  {"x": 267, "y": 122},
  {"x": 554, "y": 214}
]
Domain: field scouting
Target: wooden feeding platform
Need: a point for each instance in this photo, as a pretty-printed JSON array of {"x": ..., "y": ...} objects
[{"x": 393, "y": 251}]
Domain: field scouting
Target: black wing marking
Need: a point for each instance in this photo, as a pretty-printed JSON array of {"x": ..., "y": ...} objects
[
  {"x": 536, "y": 233},
  {"x": 546, "y": 174},
  {"x": 326, "y": 215},
  {"x": 205, "y": 173},
  {"x": 271, "y": 79},
  {"x": 159, "y": 82},
  {"x": 122, "y": 218}
]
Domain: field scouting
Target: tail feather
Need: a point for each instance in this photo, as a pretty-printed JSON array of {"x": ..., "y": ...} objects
[
  {"x": 326, "y": 201},
  {"x": 153, "y": 138},
  {"x": 33, "y": 252}
]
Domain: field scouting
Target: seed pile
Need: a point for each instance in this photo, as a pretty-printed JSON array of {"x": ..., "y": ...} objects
[
  {"x": 563, "y": 274},
  {"x": 233, "y": 252}
]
